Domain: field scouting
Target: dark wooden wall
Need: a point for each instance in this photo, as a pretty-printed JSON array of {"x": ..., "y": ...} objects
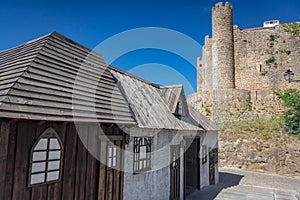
[{"x": 80, "y": 172}]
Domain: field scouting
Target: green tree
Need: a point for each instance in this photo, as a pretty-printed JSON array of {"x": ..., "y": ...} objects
[{"x": 291, "y": 100}]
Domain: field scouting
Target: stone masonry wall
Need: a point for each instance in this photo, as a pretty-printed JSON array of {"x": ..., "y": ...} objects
[
  {"x": 204, "y": 75},
  {"x": 243, "y": 87},
  {"x": 262, "y": 56},
  {"x": 236, "y": 105}
]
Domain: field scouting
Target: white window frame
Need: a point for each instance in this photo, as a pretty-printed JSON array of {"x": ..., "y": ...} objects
[{"x": 112, "y": 156}]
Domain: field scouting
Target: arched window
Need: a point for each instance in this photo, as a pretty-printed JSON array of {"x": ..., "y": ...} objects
[{"x": 46, "y": 159}]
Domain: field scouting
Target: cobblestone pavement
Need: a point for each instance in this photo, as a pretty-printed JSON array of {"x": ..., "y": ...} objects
[{"x": 237, "y": 184}]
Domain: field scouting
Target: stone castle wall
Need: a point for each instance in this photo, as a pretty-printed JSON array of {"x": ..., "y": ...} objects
[
  {"x": 240, "y": 69},
  {"x": 204, "y": 75},
  {"x": 236, "y": 105},
  {"x": 262, "y": 56}
]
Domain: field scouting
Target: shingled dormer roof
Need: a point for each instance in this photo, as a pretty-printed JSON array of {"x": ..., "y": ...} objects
[
  {"x": 171, "y": 95},
  {"x": 54, "y": 78}
]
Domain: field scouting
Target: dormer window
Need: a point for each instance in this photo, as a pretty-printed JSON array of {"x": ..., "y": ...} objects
[
  {"x": 45, "y": 159},
  {"x": 178, "y": 111}
]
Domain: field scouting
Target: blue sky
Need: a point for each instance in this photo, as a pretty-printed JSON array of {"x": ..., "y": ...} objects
[{"x": 91, "y": 22}]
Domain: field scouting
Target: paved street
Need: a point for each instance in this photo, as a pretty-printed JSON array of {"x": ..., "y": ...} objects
[{"x": 240, "y": 185}]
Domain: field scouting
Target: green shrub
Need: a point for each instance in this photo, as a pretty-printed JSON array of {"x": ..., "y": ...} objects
[
  {"x": 292, "y": 28},
  {"x": 270, "y": 60},
  {"x": 291, "y": 100}
]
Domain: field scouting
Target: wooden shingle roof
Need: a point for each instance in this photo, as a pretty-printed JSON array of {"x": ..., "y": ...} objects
[
  {"x": 148, "y": 106},
  {"x": 54, "y": 78},
  {"x": 153, "y": 106}
]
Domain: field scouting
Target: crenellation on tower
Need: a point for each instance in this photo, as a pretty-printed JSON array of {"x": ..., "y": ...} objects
[
  {"x": 239, "y": 64},
  {"x": 207, "y": 39}
]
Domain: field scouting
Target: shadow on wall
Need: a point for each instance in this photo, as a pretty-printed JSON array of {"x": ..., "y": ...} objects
[{"x": 211, "y": 192}]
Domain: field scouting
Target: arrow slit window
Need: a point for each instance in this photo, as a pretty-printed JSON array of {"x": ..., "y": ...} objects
[{"x": 46, "y": 159}]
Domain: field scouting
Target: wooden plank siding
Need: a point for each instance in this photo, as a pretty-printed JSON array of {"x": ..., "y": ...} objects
[
  {"x": 25, "y": 139},
  {"x": 4, "y": 138},
  {"x": 69, "y": 163},
  {"x": 81, "y": 172},
  {"x": 9, "y": 176},
  {"x": 81, "y": 165}
]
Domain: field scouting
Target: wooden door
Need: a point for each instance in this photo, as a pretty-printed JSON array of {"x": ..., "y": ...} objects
[
  {"x": 192, "y": 166},
  {"x": 213, "y": 159},
  {"x": 175, "y": 172},
  {"x": 111, "y": 174}
]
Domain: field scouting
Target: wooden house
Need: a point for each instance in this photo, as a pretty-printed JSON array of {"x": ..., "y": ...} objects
[{"x": 72, "y": 127}]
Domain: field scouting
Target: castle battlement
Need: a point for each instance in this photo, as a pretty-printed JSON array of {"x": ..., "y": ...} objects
[
  {"x": 207, "y": 39},
  {"x": 227, "y": 5}
]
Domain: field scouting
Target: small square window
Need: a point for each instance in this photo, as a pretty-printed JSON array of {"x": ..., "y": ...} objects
[{"x": 112, "y": 156}]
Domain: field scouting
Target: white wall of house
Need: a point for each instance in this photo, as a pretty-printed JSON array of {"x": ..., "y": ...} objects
[
  {"x": 155, "y": 184},
  {"x": 210, "y": 139}
]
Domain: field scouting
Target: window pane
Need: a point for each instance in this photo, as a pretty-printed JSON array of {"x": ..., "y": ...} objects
[
  {"x": 53, "y": 165},
  {"x": 141, "y": 164},
  {"x": 143, "y": 152},
  {"x": 143, "y": 155},
  {"x": 53, "y": 155},
  {"x": 54, "y": 144},
  {"x": 37, "y": 178},
  {"x": 42, "y": 144},
  {"x": 109, "y": 152},
  {"x": 115, "y": 152},
  {"x": 52, "y": 176},
  {"x": 109, "y": 162},
  {"x": 114, "y": 161},
  {"x": 38, "y": 167},
  {"x": 39, "y": 156}
]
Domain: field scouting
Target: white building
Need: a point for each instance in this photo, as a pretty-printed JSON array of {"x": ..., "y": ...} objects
[{"x": 182, "y": 143}]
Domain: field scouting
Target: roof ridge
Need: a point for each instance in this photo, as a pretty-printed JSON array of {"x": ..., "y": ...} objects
[
  {"x": 28, "y": 42},
  {"x": 68, "y": 40},
  {"x": 171, "y": 86},
  {"x": 133, "y": 76}
]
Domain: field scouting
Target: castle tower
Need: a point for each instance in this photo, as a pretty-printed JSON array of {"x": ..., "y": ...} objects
[{"x": 222, "y": 47}]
